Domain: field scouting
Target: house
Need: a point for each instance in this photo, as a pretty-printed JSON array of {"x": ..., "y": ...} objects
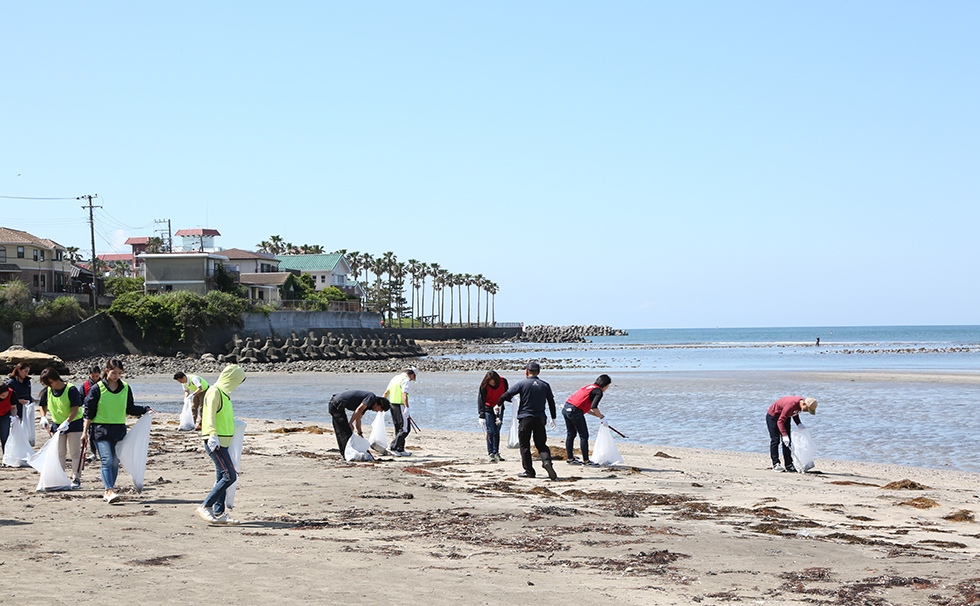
[
  {"x": 200, "y": 240},
  {"x": 112, "y": 258},
  {"x": 139, "y": 247},
  {"x": 326, "y": 270},
  {"x": 41, "y": 263},
  {"x": 193, "y": 271},
  {"x": 257, "y": 272}
]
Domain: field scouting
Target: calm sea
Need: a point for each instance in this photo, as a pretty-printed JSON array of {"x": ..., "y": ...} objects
[{"x": 708, "y": 388}]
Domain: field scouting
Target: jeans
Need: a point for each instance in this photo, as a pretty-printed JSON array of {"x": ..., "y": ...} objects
[
  {"x": 493, "y": 433},
  {"x": 528, "y": 428},
  {"x": 110, "y": 462},
  {"x": 575, "y": 425},
  {"x": 4, "y": 430},
  {"x": 402, "y": 428},
  {"x": 776, "y": 440},
  {"x": 226, "y": 476}
]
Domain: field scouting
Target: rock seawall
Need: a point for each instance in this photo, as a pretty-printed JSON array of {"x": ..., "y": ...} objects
[{"x": 566, "y": 334}]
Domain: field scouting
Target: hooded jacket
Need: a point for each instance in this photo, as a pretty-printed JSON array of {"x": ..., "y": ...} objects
[{"x": 218, "y": 417}]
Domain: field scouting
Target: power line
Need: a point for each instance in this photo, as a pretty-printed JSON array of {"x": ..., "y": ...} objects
[{"x": 25, "y": 198}]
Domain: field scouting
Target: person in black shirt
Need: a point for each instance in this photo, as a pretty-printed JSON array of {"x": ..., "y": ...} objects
[
  {"x": 531, "y": 417},
  {"x": 358, "y": 401}
]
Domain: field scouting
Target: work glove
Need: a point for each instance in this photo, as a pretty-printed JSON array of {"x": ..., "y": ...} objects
[
  {"x": 63, "y": 428},
  {"x": 604, "y": 422},
  {"x": 786, "y": 441},
  {"x": 496, "y": 411},
  {"x": 213, "y": 443},
  {"x": 45, "y": 423},
  {"x": 499, "y": 421},
  {"x": 407, "y": 414},
  {"x": 483, "y": 424},
  {"x": 801, "y": 426},
  {"x": 551, "y": 424}
]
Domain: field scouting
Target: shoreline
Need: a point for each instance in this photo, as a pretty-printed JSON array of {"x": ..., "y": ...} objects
[{"x": 672, "y": 526}]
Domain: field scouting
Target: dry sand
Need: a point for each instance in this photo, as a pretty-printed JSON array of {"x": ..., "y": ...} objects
[{"x": 444, "y": 526}]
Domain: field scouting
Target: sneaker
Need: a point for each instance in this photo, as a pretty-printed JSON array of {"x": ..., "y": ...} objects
[
  {"x": 111, "y": 497},
  {"x": 791, "y": 469},
  {"x": 403, "y": 453},
  {"x": 205, "y": 512},
  {"x": 573, "y": 461},
  {"x": 551, "y": 470},
  {"x": 500, "y": 459},
  {"x": 778, "y": 467},
  {"x": 524, "y": 474},
  {"x": 76, "y": 484},
  {"x": 225, "y": 519},
  {"x": 590, "y": 464}
]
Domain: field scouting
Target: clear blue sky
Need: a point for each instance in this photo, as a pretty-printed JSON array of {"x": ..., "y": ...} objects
[{"x": 638, "y": 164}]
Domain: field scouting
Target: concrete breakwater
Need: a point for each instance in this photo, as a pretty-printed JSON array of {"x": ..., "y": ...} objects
[
  {"x": 566, "y": 334},
  {"x": 330, "y": 346}
]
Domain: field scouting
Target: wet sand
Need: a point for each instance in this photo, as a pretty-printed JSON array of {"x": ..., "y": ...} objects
[{"x": 444, "y": 526}]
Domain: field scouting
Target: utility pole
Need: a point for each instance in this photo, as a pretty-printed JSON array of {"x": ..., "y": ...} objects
[
  {"x": 91, "y": 223},
  {"x": 169, "y": 239}
]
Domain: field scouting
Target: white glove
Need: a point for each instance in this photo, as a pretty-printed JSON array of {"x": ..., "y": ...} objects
[
  {"x": 45, "y": 423},
  {"x": 496, "y": 411},
  {"x": 213, "y": 443},
  {"x": 603, "y": 421},
  {"x": 786, "y": 441},
  {"x": 63, "y": 428},
  {"x": 483, "y": 424},
  {"x": 551, "y": 424},
  {"x": 407, "y": 414},
  {"x": 801, "y": 426}
]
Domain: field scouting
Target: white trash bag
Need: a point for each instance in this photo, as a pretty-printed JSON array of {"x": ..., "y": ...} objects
[
  {"x": 606, "y": 453},
  {"x": 512, "y": 438},
  {"x": 29, "y": 423},
  {"x": 358, "y": 449},
  {"x": 18, "y": 452},
  {"x": 379, "y": 435},
  {"x": 132, "y": 449},
  {"x": 187, "y": 414},
  {"x": 235, "y": 452},
  {"x": 802, "y": 448},
  {"x": 48, "y": 463}
]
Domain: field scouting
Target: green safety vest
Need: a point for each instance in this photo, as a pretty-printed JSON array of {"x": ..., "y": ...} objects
[
  {"x": 112, "y": 406},
  {"x": 395, "y": 395},
  {"x": 188, "y": 385},
  {"x": 224, "y": 419},
  {"x": 60, "y": 406}
]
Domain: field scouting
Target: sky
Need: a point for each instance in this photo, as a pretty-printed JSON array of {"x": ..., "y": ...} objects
[{"x": 633, "y": 164}]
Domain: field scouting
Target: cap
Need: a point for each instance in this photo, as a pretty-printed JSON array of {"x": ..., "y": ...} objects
[
  {"x": 811, "y": 405},
  {"x": 533, "y": 367}
]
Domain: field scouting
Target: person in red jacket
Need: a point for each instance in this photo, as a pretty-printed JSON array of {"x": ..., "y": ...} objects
[
  {"x": 777, "y": 420},
  {"x": 582, "y": 402},
  {"x": 491, "y": 411}
]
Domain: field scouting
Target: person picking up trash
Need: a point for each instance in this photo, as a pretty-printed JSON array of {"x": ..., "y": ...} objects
[
  {"x": 777, "y": 420},
  {"x": 582, "y": 402},
  {"x": 195, "y": 387},
  {"x": 218, "y": 428},
  {"x": 65, "y": 403},
  {"x": 358, "y": 401},
  {"x": 531, "y": 418}
]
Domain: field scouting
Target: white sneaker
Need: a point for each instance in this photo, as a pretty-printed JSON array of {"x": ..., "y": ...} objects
[
  {"x": 403, "y": 453},
  {"x": 111, "y": 497},
  {"x": 205, "y": 512},
  {"x": 778, "y": 467},
  {"x": 75, "y": 484},
  {"x": 224, "y": 519}
]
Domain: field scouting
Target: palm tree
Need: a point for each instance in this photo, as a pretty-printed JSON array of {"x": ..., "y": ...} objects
[
  {"x": 121, "y": 269},
  {"x": 74, "y": 256},
  {"x": 314, "y": 249},
  {"x": 389, "y": 261},
  {"x": 353, "y": 262},
  {"x": 423, "y": 274},
  {"x": 277, "y": 246},
  {"x": 434, "y": 274},
  {"x": 367, "y": 261},
  {"x": 478, "y": 282},
  {"x": 378, "y": 267},
  {"x": 413, "y": 270},
  {"x": 154, "y": 245},
  {"x": 467, "y": 281},
  {"x": 264, "y": 247},
  {"x": 398, "y": 288},
  {"x": 451, "y": 283},
  {"x": 492, "y": 289}
]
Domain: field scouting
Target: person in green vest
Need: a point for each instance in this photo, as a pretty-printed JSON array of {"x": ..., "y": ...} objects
[
  {"x": 64, "y": 400},
  {"x": 397, "y": 394},
  {"x": 106, "y": 406},
  {"x": 218, "y": 428},
  {"x": 194, "y": 386}
]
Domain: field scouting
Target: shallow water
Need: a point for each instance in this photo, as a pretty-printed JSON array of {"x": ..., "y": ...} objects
[{"x": 921, "y": 423}]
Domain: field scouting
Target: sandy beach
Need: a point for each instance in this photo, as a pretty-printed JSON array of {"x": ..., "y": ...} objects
[{"x": 444, "y": 526}]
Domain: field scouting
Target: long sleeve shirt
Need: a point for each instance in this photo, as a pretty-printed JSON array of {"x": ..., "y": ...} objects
[
  {"x": 785, "y": 409},
  {"x": 534, "y": 393}
]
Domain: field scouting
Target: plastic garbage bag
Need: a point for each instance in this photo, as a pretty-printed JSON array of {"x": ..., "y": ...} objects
[
  {"x": 18, "y": 451},
  {"x": 48, "y": 463},
  {"x": 29, "y": 423},
  {"x": 802, "y": 449},
  {"x": 235, "y": 452},
  {"x": 605, "y": 452},
  {"x": 358, "y": 449},
  {"x": 187, "y": 414},
  {"x": 379, "y": 435},
  {"x": 512, "y": 439},
  {"x": 132, "y": 449}
]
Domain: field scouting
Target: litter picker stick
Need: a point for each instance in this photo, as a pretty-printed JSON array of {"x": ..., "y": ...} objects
[
  {"x": 617, "y": 431},
  {"x": 414, "y": 425}
]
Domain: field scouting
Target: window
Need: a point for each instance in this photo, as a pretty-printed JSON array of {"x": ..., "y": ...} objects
[
  {"x": 338, "y": 280},
  {"x": 42, "y": 281},
  {"x": 323, "y": 279},
  {"x": 20, "y": 252},
  {"x": 35, "y": 281},
  {"x": 42, "y": 255},
  {"x": 3, "y": 254},
  {"x": 60, "y": 257},
  {"x": 35, "y": 254}
]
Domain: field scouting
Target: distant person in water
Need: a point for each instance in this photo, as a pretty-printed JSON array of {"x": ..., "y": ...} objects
[{"x": 777, "y": 420}]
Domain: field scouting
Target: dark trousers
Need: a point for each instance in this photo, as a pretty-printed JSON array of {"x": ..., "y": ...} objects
[
  {"x": 528, "y": 428},
  {"x": 341, "y": 425},
  {"x": 776, "y": 441},
  {"x": 575, "y": 425},
  {"x": 4, "y": 430},
  {"x": 226, "y": 476},
  {"x": 493, "y": 433},
  {"x": 402, "y": 428}
]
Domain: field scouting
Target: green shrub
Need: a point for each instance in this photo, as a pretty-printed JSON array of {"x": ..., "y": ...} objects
[
  {"x": 58, "y": 311},
  {"x": 179, "y": 315},
  {"x": 121, "y": 286}
]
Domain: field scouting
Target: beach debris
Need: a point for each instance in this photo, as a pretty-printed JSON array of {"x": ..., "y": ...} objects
[
  {"x": 942, "y": 544},
  {"x": 157, "y": 561},
  {"x": 920, "y": 503},
  {"x": 853, "y": 483},
  {"x": 309, "y": 429},
  {"x": 386, "y": 495},
  {"x": 963, "y": 515},
  {"x": 905, "y": 485},
  {"x": 664, "y": 455}
]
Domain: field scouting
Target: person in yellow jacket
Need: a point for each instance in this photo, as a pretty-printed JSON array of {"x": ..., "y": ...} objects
[
  {"x": 218, "y": 428},
  {"x": 397, "y": 394}
]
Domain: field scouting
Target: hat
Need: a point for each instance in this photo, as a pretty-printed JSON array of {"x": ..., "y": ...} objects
[
  {"x": 811, "y": 405},
  {"x": 533, "y": 367}
]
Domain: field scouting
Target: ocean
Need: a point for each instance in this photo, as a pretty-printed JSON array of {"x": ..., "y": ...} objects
[{"x": 905, "y": 395}]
